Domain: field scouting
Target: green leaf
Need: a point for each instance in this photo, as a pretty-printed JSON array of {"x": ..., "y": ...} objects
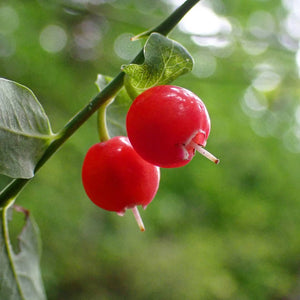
[
  {"x": 116, "y": 110},
  {"x": 20, "y": 277},
  {"x": 25, "y": 131},
  {"x": 165, "y": 60}
]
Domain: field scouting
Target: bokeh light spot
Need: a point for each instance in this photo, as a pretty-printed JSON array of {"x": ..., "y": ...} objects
[
  {"x": 252, "y": 47},
  {"x": 266, "y": 81},
  {"x": 298, "y": 62},
  {"x": 291, "y": 139},
  {"x": 254, "y": 103},
  {"x": 202, "y": 20},
  {"x": 125, "y": 48},
  {"x": 205, "y": 65},
  {"x": 53, "y": 38},
  {"x": 7, "y": 46},
  {"x": 292, "y": 25},
  {"x": 9, "y": 19},
  {"x": 261, "y": 24}
]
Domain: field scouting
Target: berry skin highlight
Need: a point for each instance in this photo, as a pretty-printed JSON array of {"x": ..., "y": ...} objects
[{"x": 166, "y": 124}]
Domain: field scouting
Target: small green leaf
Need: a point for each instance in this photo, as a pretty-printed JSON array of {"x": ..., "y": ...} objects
[
  {"x": 20, "y": 277},
  {"x": 165, "y": 60},
  {"x": 25, "y": 131},
  {"x": 116, "y": 110}
]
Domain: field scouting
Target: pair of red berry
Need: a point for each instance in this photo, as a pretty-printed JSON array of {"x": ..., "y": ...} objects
[{"x": 165, "y": 125}]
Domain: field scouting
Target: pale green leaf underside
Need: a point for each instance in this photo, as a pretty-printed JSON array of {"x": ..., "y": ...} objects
[
  {"x": 20, "y": 277},
  {"x": 117, "y": 110},
  {"x": 24, "y": 130},
  {"x": 165, "y": 60}
]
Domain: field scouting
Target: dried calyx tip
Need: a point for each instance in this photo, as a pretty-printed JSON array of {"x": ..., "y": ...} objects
[
  {"x": 138, "y": 218},
  {"x": 205, "y": 153}
]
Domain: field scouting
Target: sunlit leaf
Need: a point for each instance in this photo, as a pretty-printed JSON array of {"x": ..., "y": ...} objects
[
  {"x": 165, "y": 60},
  {"x": 24, "y": 130}
]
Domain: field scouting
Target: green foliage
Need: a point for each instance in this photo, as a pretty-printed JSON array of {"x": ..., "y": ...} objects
[
  {"x": 24, "y": 130},
  {"x": 165, "y": 60},
  {"x": 213, "y": 232},
  {"x": 20, "y": 271},
  {"x": 23, "y": 116}
]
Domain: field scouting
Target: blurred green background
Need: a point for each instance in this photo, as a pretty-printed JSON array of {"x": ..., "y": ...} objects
[{"x": 230, "y": 231}]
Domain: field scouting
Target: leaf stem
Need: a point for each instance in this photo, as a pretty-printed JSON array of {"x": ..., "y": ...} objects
[{"x": 16, "y": 185}]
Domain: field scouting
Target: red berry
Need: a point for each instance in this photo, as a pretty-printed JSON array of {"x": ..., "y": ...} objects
[
  {"x": 166, "y": 124},
  {"x": 115, "y": 177}
]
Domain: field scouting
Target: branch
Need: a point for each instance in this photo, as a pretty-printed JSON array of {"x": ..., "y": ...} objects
[{"x": 10, "y": 192}]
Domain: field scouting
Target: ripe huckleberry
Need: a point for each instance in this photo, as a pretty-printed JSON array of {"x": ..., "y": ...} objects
[
  {"x": 166, "y": 124},
  {"x": 116, "y": 178}
]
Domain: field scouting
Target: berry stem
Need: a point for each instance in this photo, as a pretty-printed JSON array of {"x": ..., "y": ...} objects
[
  {"x": 101, "y": 120},
  {"x": 138, "y": 218},
  {"x": 204, "y": 152}
]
